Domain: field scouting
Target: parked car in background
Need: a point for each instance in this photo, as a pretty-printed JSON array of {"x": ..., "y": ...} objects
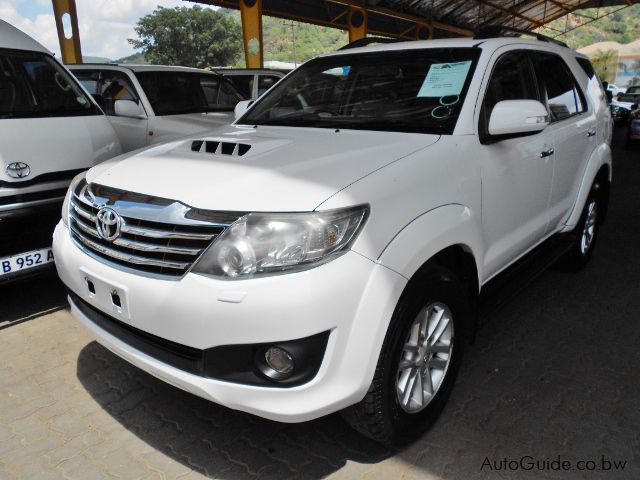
[
  {"x": 328, "y": 251},
  {"x": 622, "y": 105},
  {"x": 614, "y": 89},
  {"x": 633, "y": 131},
  {"x": 50, "y": 130},
  {"x": 252, "y": 82},
  {"x": 633, "y": 90},
  {"x": 149, "y": 104}
]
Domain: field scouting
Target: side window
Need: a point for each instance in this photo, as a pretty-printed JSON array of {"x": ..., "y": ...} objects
[
  {"x": 244, "y": 83},
  {"x": 563, "y": 97},
  {"x": 511, "y": 79},
  {"x": 107, "y": 87},
  {"x": 265, "y": 82}
]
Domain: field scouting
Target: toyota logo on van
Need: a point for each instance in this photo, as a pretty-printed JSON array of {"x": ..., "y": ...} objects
[
  {"x": 18, "y": 170},
  {"x": 108, "y": 224}
]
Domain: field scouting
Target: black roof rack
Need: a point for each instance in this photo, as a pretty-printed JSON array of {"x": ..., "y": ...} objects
[
  {"x": 363, "y": 42},
  {"x": 494, "y": 31}
]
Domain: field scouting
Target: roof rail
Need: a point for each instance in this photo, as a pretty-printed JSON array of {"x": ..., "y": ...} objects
[
  {"x": 493, "y": 31},
  {"x": 363, "y": 42}
]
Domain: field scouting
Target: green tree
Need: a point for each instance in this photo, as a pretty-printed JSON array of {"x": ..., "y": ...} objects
[
  {"x": 193, "y": 37},
  {"x": 605, "y": 63}
]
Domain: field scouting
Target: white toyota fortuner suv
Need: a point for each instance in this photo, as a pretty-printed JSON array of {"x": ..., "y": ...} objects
[{"x": 330, "y": 250}]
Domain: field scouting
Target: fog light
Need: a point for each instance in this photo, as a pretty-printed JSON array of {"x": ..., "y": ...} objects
[{"x": 275, "y": 363}]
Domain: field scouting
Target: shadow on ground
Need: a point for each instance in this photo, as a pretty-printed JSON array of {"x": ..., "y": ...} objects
[{"x": 23, "y": 300}]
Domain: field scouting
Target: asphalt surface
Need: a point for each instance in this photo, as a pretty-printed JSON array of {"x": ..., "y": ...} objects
[{"x": 554, "y": 375}]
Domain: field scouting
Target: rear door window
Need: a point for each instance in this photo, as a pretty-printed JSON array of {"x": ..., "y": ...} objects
[
  {"x": 33, "y": 84},
  {"x": 563, "y": 97}
]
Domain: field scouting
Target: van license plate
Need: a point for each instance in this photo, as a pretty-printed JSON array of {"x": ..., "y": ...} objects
[{"x": 25, "y": 261}]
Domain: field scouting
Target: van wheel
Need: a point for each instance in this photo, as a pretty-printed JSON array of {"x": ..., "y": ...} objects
[
  {"x": 418, "y": 363},
  {"x": 586, "y": 234}
]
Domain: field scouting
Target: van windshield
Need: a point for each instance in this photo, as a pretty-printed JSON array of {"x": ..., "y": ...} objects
[
  {"x": 407, "y": 91},
  {"x": 174, "y": 93},
  {"x": 33, "y": 85}
]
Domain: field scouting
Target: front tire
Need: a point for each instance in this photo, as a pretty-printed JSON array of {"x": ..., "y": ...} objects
[{"x": 418, "y": 363}]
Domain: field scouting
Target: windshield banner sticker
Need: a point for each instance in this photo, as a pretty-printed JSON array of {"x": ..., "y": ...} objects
[{"x": 444, "y": 79}]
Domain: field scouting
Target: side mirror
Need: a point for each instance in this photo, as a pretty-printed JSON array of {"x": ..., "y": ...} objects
[
  {"x": 512, "y": 117},
  {"x": 241, "y": 107},
  {"x": 128, "y": 108}
]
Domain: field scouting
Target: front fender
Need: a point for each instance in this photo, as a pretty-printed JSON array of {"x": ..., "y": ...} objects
[
  {"x": 601, "y": 156},
  {"x": 430, "y": 233}
]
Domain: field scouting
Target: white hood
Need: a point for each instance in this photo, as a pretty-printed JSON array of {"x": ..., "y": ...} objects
[{"x": 285, "y": 169}]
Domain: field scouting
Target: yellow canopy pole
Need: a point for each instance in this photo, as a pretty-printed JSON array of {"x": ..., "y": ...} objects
[
  {"x": 69, "y": 40},
  {"x": 357, "y": 23},
  {"x": 251, "y": 13}
]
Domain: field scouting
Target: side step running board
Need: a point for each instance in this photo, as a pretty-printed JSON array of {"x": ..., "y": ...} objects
[{"x": 504, "y": 287}]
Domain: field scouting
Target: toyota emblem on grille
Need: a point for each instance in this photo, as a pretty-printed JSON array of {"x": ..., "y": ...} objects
[
  {"x": 18, "y": 170},
  {"x": 108, "y": 223}
]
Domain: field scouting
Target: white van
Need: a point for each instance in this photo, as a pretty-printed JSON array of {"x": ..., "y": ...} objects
[{"x": 50, "y": 130}]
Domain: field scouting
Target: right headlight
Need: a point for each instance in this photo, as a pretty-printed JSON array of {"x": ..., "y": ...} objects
[
  {"x": 65, "y": 205},
  {"x": 271, "y": 243}
]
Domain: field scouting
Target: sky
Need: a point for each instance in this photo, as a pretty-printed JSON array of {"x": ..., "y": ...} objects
[{"x": 105, "y": 25}]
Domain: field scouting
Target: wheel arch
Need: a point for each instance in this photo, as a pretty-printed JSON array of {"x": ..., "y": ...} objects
[{"x": 600, "y": 169}]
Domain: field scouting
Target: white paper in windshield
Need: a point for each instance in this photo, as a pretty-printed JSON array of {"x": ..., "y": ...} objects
[{"x": 444, "y": 79}]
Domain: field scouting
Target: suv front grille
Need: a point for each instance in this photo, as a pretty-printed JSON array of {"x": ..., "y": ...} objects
[{"x": 146, "y": 244}]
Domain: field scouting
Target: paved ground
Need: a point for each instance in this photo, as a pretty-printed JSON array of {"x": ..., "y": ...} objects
[{"x": 556, "y": 372}]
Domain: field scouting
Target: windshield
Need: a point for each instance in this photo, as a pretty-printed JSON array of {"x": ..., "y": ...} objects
[
  {"x": 33, "y": 84},
  {"x": 407, "y": 91},
  {"x": 173, "y": 93}
]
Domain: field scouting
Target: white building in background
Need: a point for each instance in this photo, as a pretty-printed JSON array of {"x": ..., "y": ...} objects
[{"x": 628, "y": 60}]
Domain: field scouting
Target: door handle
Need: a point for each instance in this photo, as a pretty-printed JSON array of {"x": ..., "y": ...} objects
[
  {"x": 591, "y": 132},
  {"x": 546, "y": 153}
]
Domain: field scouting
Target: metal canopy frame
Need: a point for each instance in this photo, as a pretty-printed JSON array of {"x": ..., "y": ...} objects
[{"x": 399, "y": 19}]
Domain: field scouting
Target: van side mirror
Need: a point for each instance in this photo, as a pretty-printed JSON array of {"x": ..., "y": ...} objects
[
  {"x": 241, "y": 107},
  {"x": 513, "y": 117},
  {"x": 128, "y": 108}
]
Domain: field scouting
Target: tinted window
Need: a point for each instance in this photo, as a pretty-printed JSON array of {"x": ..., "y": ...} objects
[
  {"x": 106, "y": 87},
  {"x": 33, "y": 84},
  {"x": 244, "y": 83},
  {"x": 511, "y": 79},
  {"x": 562, "y": 95},
  {"x": 586, "y": 66},
  {"x": 633, "y": 90},
  {"x": 409, "y": 91},
  {"x": 265, "y": 82},
  {"x": 172, "y": 93}
]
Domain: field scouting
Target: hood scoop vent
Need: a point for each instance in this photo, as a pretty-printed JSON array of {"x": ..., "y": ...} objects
[{"x": 220, "y": 148}]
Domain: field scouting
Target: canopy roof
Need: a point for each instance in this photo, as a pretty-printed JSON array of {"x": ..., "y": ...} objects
[{"x": 402, "y": 18}]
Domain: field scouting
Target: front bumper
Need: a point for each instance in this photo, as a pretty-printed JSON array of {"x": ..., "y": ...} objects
[{"x": 351, "y": 297}]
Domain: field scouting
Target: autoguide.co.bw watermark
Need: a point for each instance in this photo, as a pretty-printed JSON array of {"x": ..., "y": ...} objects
[{"x": 529, "y": 463}]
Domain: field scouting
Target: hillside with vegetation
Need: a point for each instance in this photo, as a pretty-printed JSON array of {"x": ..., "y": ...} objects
[{"x": 622, "y": 27}]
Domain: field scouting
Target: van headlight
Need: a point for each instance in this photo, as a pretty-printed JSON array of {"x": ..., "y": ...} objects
[
  {"x": 270, "y": 243},
  {"x": 65, "y": 205}
]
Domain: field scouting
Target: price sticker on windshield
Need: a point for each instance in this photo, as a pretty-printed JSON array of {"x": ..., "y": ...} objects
[{"x": 444, "y": 79}]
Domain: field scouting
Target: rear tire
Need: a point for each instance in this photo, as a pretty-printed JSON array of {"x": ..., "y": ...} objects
[
  {"x": 418, "y": 362},
  {"x": 586, "y": 232}
]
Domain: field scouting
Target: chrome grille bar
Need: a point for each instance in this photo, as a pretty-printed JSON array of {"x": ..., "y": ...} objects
[{"x": 153, "y": 238}]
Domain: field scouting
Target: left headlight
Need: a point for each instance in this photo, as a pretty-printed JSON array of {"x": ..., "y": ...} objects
[
  {"x": 270, "y": 243},
  {"x": 65, "y": 205}
]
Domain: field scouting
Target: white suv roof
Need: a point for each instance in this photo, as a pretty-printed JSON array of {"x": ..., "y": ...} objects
[
  {"x": 137, "y": 68},
  {"x": 11, "y": 37},
  {"x": 489, "y": 43}
]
